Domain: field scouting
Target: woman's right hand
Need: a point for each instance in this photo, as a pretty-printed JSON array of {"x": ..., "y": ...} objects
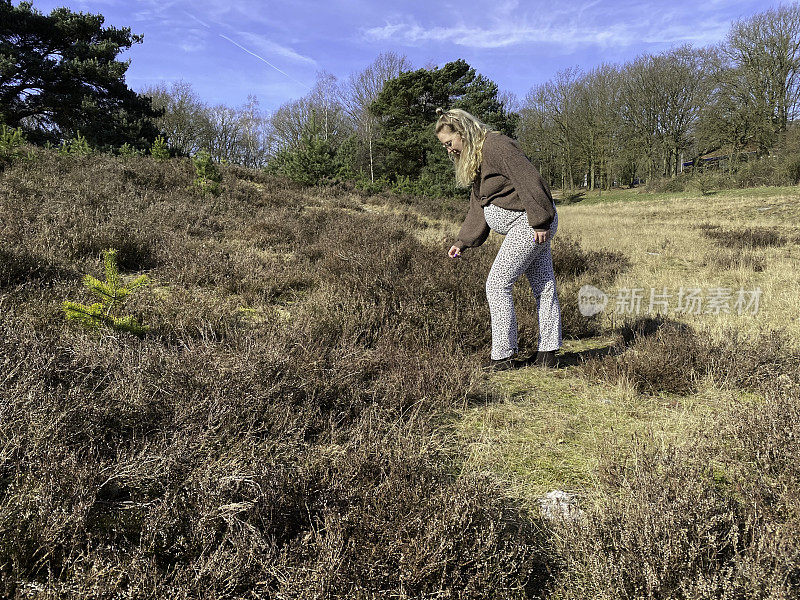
[{"x": 454, "y": 252}]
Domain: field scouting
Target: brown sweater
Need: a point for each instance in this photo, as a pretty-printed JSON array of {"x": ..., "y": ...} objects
[{"x": 506, "y": 179}]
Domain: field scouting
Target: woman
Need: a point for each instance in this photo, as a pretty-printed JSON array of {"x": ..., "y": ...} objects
[{"x": 510, "y": 197}]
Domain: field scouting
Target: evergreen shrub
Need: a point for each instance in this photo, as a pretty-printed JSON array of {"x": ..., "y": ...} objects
[
  {"x": 12, "y": 144},
  {"x": 76, "y": 146},
  {"x": 113, "y": 294},
  {"x": 207, "y": 175},
  {"x": 159, "y": 149}
]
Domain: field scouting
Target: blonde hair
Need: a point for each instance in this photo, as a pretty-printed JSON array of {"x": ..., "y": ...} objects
[{"x": 473, "y": 133}]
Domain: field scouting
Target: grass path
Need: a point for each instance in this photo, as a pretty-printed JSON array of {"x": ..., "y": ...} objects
[{"x": 545, "y": 430}]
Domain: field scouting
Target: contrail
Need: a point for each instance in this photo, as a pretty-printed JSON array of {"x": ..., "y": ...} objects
[
  {"x": 191, "y": 16},
  {"x": 263, "y": 60}
]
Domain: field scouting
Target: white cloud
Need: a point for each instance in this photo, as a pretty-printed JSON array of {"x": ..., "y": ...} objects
[
  {"x": 566, "y": 25},
  {"x": 700, "y": 34},
  {"x": 196, "y": 46},
  {"x": 499, "y": 36}
]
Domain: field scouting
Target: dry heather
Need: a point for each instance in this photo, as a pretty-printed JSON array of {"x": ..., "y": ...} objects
[
  {"x": 281, "y": 431},
  {"x": 717, "y": 520},
  {"x": 657, "y": 355},
  {"x": 273, "y": 434},
  {"x": 746, "y": 237}
]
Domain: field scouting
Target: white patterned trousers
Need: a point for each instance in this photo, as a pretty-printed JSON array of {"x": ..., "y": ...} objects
[{"x": 519, "y": 255}]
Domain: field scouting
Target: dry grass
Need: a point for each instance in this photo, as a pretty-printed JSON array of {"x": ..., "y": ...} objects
[
  {"x": 639, "y": 421},
  {"x": 274, "y": 433},
  {"x": 663, "y": 239},
  {"x": 307, "y": 417}
]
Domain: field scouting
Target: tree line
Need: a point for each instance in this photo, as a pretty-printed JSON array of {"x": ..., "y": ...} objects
[
  {"x": 650, "y": 118},
  {"x": 374, "y": 127},
  {"x": 660, "y": 113}
]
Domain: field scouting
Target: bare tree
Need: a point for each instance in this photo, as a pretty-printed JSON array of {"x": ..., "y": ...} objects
[
  {"x": 288, "y": 123},
  {"x": 322, "y": 105},
  {"x": 254, "y": 145},
  {"x": 225, "y": 134},
  {"x": 362, "y": 89},
  {"x": 510, "y": 101},
  {"x": 184, "y": 119},
  {"x": 728, "y": 121},
  {"x": 597, "y": 117},
  {"x": 550, "y": 108},
  {"x": 238, "y": 135},
  {"x": 764, "y": 54},
  {"x": 537, "y": 134},
  {"x": 640, "y": 103},
  {"x": 325, "y": 98},
  {"x": 685, "y": 90}
]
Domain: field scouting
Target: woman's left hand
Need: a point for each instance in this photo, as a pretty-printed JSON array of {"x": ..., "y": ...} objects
[{"x": 541, "y": 236}]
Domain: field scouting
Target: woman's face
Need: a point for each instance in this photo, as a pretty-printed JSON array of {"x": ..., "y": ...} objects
[{"x": 451, "y": 141}]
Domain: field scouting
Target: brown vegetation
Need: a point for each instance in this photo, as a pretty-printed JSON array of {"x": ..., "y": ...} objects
[
  {"x": 739, "y": 239},
  {"x": 278, "y": 432},
  {"x": 656, "y": 355},
  {"x": 272, "y": 434},
  {"x": 712, "y": 521}
]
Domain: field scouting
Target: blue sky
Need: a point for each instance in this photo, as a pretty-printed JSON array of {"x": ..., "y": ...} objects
[{"x": 274, "y": 50}]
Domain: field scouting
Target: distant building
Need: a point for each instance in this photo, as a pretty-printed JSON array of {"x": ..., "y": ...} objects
[{"x": 718, "y": 158}]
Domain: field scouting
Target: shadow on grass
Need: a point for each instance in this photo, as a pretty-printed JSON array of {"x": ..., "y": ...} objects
[
  {"x": 625, "y": 335},
  {"x": 573, "y": 359},
  {"x": 569, "y": 198},
  {"x": 569, "y": 359}
]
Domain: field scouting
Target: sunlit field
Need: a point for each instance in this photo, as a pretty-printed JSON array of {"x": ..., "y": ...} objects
[
  {"x": 307, "y": 416},
  {"x": 550, "y": 430},
  {"x": 689, "y": 394}
]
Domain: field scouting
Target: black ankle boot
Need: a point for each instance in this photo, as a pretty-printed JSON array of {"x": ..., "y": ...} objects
[
  {"x": 546, "y": 359},
  {"x": 504, "y": 364}
]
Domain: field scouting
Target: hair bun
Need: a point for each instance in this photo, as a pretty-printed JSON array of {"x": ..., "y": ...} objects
[{"x": 439, "y": 111}]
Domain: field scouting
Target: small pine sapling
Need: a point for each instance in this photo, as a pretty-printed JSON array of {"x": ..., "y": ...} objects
[
  {"x": 12, "y": 144},
  {"x": 10, "y": 139},
  {"x": 77, "y": 146},
  {"x": 112, "y": 293},
  {"x": 127, "y": 150},
  {"x": 207, "y": 176},
  {"x": 159, "y": 149}
]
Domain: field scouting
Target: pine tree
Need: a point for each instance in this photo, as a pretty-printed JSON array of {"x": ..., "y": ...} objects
[
  {"x": 207, "y": 176},
  {"x": 407, "y": 107},
  {"x": 112, "y": 293},
  {"x": 77, "y": 146},
  {"x": 127, "y": 150},
  {"x": 12, "y": 144},
  {"x": 60, "y": 73},
  {"x": 159, "y": 149},
  {"x": 313, "y": 161}
]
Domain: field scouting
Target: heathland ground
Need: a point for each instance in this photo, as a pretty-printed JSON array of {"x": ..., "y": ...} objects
[
  {"x": 307, "y": 416},
  {"x": 549, "y": 430}
]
